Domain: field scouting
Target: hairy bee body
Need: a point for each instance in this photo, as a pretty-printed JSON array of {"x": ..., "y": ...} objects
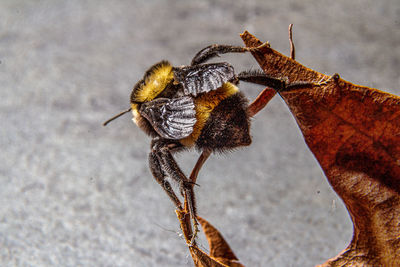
[
  {"x": 227, "y": 125},
  {"x": 222, "y": 121},
  {"x": 199, "y": 106}
]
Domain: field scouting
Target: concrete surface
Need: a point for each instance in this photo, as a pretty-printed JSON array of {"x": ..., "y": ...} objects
[{"x": 73, "y": 193}]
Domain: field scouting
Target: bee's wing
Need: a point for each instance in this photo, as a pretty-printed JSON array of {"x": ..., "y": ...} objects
[
  {"x": 171, "y": 118},
  {"x": 203, "y": 78}
]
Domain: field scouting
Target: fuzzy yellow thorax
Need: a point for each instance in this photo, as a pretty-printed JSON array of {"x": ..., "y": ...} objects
[{"x": 155, "y": 83}]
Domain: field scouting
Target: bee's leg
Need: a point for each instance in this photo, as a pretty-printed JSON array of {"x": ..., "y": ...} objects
[
  {"x": 259, "y": 77},
  {"x": 215, "y": 50},
  {"x": 278, "y": 84},
  {"x": 159, "y": 174},
  {"x": 162, "y": 150},
  {"x": 274, "y": 85}
]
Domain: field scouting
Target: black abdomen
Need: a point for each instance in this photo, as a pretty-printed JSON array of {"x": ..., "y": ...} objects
[{"x": 228, "y": 125}]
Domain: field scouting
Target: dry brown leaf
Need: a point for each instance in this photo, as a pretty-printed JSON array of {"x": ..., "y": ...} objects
[
  {"x": 354, "y": 132},
  {"x": 220, "y": 252},
  {"x": 219, "y": 248},
  {"x": 201, "y": 259}
]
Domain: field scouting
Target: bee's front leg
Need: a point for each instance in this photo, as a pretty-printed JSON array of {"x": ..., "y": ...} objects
[
  {"x": 162, "y": 165},
  {"x": 215, "y": 50},
  {"x": 160, "y": 175}
]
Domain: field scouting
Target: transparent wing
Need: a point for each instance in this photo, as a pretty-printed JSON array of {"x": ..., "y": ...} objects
[
  {"x": 171, "y": 118},
  {"x": 203, "y": 78}
]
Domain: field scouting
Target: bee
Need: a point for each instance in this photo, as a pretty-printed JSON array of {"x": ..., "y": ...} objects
[{"x": 196, "y": 106}]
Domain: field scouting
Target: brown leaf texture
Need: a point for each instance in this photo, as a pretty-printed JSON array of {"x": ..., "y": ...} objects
[
  {"x": 354, "y": 133},
  {"x": 219, "y": 248},
  {"x": 220, "y": 255}
]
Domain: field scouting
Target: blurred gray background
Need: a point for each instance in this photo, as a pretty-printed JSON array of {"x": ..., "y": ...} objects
[{"x": 74, "y": 193}]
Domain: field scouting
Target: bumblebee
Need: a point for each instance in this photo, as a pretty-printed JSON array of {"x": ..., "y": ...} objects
[{"x": 198, "y": 106}]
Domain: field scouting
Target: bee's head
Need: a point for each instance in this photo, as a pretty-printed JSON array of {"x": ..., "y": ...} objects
[{"x": 154, "y": 81}]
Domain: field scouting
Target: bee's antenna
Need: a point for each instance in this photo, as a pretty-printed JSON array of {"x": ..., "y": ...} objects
[{"x": 117, "y": 116}]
